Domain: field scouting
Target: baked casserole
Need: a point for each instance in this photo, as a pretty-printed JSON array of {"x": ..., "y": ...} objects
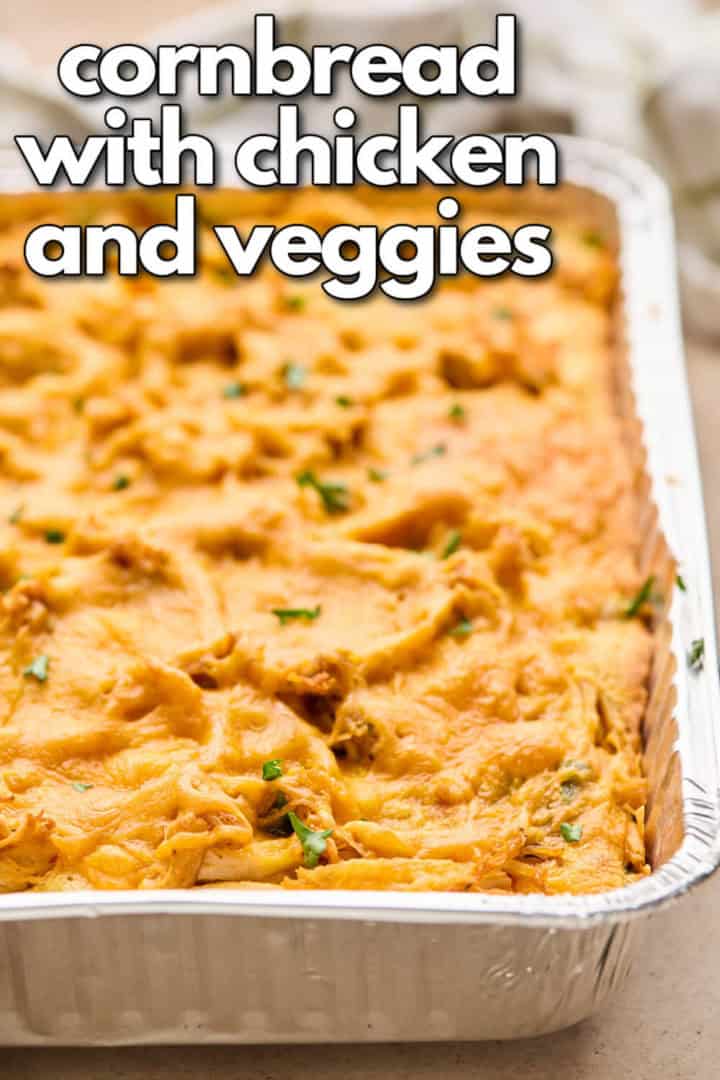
[{"x": 308, "y": 594}]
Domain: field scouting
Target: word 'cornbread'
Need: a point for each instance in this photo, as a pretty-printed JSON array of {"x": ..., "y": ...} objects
[{"x": 316, "y": 595}]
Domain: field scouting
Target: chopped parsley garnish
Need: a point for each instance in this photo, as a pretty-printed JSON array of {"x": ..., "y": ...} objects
[
  {"x": 461, "y": 629},
  {"x": 121, "y": 482},
  {"x": 294, "y": 376},
  {"x": 55, "y": 536},
  {"x": 503, "y": 313},
  {"x": 435, "y": 451},
  {"x": 593, "y": 239},
  {"x": 313, "y": 843},
  {"x": 680, "y": 582},
  {"x": 641, "y": 598},
  {"x": 38, "y": 669},
  {"x": 457, "y": 412},
  {"x": 286, "y": 615},
  {"x": 16, "y": 515},
  {"x": 272, "y": 770},
  {"x": 696, "y": 655},
  {"x": 377, "y": 475},
  {"x": 344, "y": 402},
  {"x": 571, "y": 833},
  {"x": 453, "y": 543},
  {"x": 234, "y": 390},
  {"x": 335, "y": 497},
  {"x": 79, "y": 786},
  {"x": 295, "y": 302}
]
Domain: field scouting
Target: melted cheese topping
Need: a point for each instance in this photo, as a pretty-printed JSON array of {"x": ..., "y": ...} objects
[{"x": 428, "y": 632}]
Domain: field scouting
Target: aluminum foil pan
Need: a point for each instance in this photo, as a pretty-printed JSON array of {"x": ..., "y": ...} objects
[{"x": 93, "y": 968}]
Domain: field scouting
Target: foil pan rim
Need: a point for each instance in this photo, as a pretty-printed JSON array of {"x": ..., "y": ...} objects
[{"x": 654, "y": 337}]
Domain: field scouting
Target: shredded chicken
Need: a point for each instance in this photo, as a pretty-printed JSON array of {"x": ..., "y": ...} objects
[{"x": 381, "y": 553}]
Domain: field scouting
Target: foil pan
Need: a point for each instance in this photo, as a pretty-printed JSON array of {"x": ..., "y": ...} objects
[{"x": 91, "y": 968}]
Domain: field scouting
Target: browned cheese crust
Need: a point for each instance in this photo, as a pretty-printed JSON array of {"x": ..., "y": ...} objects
[{"x": 460, "y": 699}]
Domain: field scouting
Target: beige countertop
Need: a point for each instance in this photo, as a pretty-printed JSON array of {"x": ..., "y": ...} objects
[{"x": 663, "y": 1025}]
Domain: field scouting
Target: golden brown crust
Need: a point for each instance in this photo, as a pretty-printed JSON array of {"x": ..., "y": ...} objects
[{"x": 458, "y": 695}]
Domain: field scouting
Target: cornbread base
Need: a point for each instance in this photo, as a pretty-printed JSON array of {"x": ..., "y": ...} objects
[{"x": 393, "y": 548}]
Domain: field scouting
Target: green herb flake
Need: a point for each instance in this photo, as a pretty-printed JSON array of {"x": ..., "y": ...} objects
[
  {"x": 286, "y": 615},
  {"x": 313, "y": 843},
  {"x": 38, "y": 669},
  {"x": 457, "y": 413},
  {"x": 505, "y": 314},
  {"x": 295, "y": 302},
  {"x": 344, "y": 402},
  {"x": 272, "y": 770},
  {"x": 335, "y": 497},
  {"x": 680, "y": 582},
  {"x": 234, "y": 390},
  {"x": 570, "y": 833},
  {"x": 80, "y": 786},
  {"x": 55, "y": 536},
  {"x": 294, "y": 375},
  {"x": 121, "y": 481},
  {"x": 16, "y": 515},
  {"x": 461, "y": 629},
  {"x": 377, "y": 475},
  {"x": 426, "y": 455},
  {"x": 641, "y": 598},
  {"x": 696, "y": 655},
  {"x": 593, "y": 239},
  {"x": 453, "y": 544}
]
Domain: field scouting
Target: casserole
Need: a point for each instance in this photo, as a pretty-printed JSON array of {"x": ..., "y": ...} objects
[
  {"x": 429, "y": 965},
  {"x": 313, "y": 595}
]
